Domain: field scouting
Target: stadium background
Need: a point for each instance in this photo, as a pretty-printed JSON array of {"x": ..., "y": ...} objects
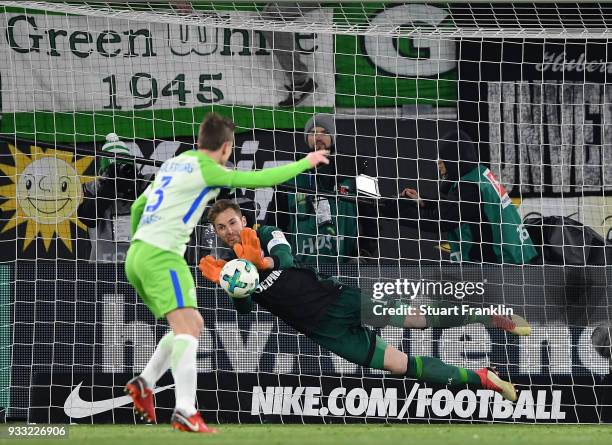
[{"x": 62, "y": 311}]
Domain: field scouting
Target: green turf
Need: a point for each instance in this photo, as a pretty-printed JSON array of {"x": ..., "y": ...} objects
[{"x": 337, "y": 435}]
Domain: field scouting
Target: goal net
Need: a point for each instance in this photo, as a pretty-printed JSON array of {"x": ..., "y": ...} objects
[{"x": 516, "y": 100}]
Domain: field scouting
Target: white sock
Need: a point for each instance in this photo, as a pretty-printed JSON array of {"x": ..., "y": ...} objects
[
  {"x": 184, "y": 371},
  {"x": 160, "y": 360}
]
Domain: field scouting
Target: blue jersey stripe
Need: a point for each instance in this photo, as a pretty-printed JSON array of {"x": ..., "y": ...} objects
[
  {"x": 196, "y": 204},
  {"x": 177, "y": 288}
]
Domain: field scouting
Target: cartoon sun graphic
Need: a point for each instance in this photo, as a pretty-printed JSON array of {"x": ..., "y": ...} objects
[{"x": 45, "y": 191}]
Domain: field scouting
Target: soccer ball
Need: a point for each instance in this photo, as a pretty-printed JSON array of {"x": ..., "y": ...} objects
[{"x": 239, "y": 278}]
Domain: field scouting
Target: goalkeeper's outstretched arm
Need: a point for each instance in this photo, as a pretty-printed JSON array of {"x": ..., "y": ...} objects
[{"x": 276, "y": 247}]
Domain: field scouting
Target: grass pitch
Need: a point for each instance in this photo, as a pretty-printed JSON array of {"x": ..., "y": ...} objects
[{"x": 335, "y": 435}]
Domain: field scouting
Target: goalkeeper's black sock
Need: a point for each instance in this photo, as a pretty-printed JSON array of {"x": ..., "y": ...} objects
[
  {"x": 433, "y": 370},
  {"x": 451, "y": 318}
]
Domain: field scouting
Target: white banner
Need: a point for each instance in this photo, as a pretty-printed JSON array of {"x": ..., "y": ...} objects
[{"x": 75, "y": 63}]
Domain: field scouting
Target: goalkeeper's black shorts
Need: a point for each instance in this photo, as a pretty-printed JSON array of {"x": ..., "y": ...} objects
[{"x": 340, "y": 331}]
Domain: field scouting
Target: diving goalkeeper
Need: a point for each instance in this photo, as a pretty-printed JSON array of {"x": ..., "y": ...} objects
[
  {"x": 329, "y": 312},
  {"x": 162, "y": 220}
]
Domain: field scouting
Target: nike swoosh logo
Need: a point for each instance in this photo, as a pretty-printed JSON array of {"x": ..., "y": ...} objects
[
  {"x": 77, "y": 408},
  {"x": 192, "y": 426}
]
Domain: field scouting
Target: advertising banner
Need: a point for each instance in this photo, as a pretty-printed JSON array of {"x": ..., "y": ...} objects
[
  {"x": 81, "y": 324},
  {"x": 116, "y": 64},
  {"x": 270, "y": 398},
  {"x": 88, "y": 76},
  {"x": 41, "y": 188},
  {"x": 542, "y": 112}
]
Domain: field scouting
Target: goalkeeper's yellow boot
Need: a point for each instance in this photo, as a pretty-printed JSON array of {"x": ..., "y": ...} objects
[
  {"x": 490, "y": 379},
  {"x": 515, "y": 324}
]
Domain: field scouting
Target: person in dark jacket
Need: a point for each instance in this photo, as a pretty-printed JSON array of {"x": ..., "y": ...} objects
[
  {"x": 323, "y": 229},
  {"x": 105, "y": 209},
  {"x": 473, "y": 208}
]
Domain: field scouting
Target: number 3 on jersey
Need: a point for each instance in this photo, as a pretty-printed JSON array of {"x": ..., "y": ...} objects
[{"x": 159, "y": 192}]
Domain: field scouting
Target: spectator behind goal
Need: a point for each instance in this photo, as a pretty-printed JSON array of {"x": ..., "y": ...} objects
[
  {"x": 105, "y": 209},
  {"x": 322, "y": 229},
  {"x": 473, "y": 208}
]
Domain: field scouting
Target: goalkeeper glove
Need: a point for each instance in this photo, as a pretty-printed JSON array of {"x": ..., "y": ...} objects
[
  {"x": 250, "y": 249},
  {"x": 211, "y": 268}
]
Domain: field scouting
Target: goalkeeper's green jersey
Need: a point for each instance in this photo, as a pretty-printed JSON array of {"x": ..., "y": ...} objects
[
  {"x": 298, "y": 295},
  {"x": 167, "y": 212}
]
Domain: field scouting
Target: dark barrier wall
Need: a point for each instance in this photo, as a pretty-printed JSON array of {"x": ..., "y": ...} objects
[{"x": 78, "y": 323}]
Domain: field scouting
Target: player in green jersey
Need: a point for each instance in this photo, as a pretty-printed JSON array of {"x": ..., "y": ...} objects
[
  {"x": 162, "y": 220},
  {"x": 331, "y": 313}
]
